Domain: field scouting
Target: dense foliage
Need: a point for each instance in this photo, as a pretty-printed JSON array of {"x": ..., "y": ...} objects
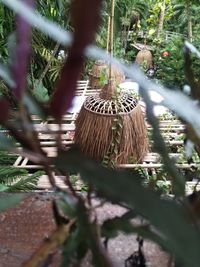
[{"x": 142, "y": 18}]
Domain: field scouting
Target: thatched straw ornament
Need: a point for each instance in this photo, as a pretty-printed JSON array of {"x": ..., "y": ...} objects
[
  {"x": 144, "y": 57},
  {"x": 100, "y": 73},
  {"x": 111, "y": 127},
  {"x": 98, "y": 133}
]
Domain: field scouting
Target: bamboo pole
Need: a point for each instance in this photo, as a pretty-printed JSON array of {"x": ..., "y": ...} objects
[
  {"x": 108, "y": 36},
  {"x": 110, "y": 50},
  {"x": 111, "y": 27}
]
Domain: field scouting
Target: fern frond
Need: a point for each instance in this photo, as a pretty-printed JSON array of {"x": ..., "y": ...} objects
[
  {"x": 7, "y": 159},
  {"x": 9, "y": 175},
  {"x": 25, "y": 184}
]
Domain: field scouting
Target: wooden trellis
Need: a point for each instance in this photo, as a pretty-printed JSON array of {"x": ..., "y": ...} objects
[{"x": 172, "y": 132}]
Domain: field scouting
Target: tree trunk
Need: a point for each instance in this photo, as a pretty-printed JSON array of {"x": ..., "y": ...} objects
[
  {"x": 161, "y": 19},
  {"x": 188, "y": 16}
]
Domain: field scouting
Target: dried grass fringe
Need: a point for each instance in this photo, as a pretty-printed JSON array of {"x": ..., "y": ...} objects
[
  {"x": 94, "y": 135},
  {"x": 144, "y": 55},
  {"x": 96, "y": 72}
]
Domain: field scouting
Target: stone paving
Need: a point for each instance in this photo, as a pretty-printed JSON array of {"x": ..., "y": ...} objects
[{"x": 23, "y": 228}]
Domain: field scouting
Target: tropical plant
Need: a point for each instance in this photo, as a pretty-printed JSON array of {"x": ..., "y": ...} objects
[
  {"x": 14, "y": 179},
  {"x": 171, "y": 222},
  {"x": 132, "y": 15},
  {"x": 45, "y": 58},
  {"x": 161, "y": 12},
  {"x": 171, "y": 68},
  {"x": 186, "y": 16}
]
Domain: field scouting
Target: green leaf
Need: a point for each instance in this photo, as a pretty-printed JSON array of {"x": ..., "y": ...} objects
[
  {"x": 69, "y": 249},
  {"x": 7, "y": 159},
  {"x": 34, "y": 106},
  {"x": 3, "y": 188},
  {"x": 91, "y": 239},
  {"x": 76, "y": 245},
  {"x": 8, "y": 175},
  {"x": 9, "y": 200},
  {"x": 40, "y": 92},
  {"x": 168, "y": 217},
  {"x": 111, "y": 227},
  {"x": 26, "y": 183},
  {"x": 6, "y": 143},
  {"x": 68, "y": 207},
  {"x": 39, "y": 22}
]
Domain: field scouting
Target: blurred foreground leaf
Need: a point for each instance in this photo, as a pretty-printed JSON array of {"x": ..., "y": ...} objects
[
  {"x": 91, "y": 233},
  {"x": 9, "y": 200},
  {"x": 85, "y": 28},
  {"x": 6, "y": 143},
  {"x": 41, "y": 93},
  {"x": 170, "y": 218},
  {"x": 34, "y": 106},
  {"x": 5, "y": 75},
  {"x": 111, "y": 227},
  {"x": 3, "y": 188},
  {"x": 69, "y": 249},
  {"x": 4, "y": 110},
  {"x": 22, "y": 53}
]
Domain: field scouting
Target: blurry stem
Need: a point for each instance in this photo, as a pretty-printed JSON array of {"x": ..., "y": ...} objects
[
  {"x": 189, "y": 74},
  {"x": 32, "y": 76},
  {"x": 161, "y": 18},
  {"x": 110, "y": 47},
  {"x": 49, "y": 172},
  {"x": 71, "y": 188},
  {"x": 89, "y": 193},
  {"x": 108, "y": 35},
  {"x": 159, "y": 144},
  {"x": 57, "y": 238},
  {"x": 100, "y": 258},
  {"x": 59, "y": 136},
  {"x": 189, "y": 21},
  {"x": 29, "y": 131},
  {"x": 170, "y": 261},
  {"x": 19, "y": 136},
  {"x": 111, "y": 27}
]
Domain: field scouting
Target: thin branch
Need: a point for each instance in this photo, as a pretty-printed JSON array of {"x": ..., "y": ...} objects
[
  {"x": 55, "y": 50},
  {"x": 58, "y": 237}
]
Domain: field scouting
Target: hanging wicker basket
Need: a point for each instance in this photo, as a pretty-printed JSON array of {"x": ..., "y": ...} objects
[
  {"x": 144, "y": 57},
  {"x": 97, "y": 123},
  {"x": 100, "y": 73},
  {"x": 111, "y": 127}
]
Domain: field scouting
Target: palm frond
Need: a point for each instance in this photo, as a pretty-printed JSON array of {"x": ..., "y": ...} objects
[
  {"x": 9, "y": 175},
  {"x": 25, "y": 183},
  {"x": 7, "y": 159}
]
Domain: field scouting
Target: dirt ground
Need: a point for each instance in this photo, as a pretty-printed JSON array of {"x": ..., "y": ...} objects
[
  {"x": 123, "y": 246},
  {"x": 22, "y": 230}
]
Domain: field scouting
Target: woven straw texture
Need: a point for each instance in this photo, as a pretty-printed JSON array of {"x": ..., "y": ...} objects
[{"x": 94, "y": 132}]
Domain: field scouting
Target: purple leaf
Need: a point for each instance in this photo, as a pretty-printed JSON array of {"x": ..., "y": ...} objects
[
  {"x": 85, "y": 18},
  {"x": 22, "y": 53},
  {"x": 4, "y": 110}
]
